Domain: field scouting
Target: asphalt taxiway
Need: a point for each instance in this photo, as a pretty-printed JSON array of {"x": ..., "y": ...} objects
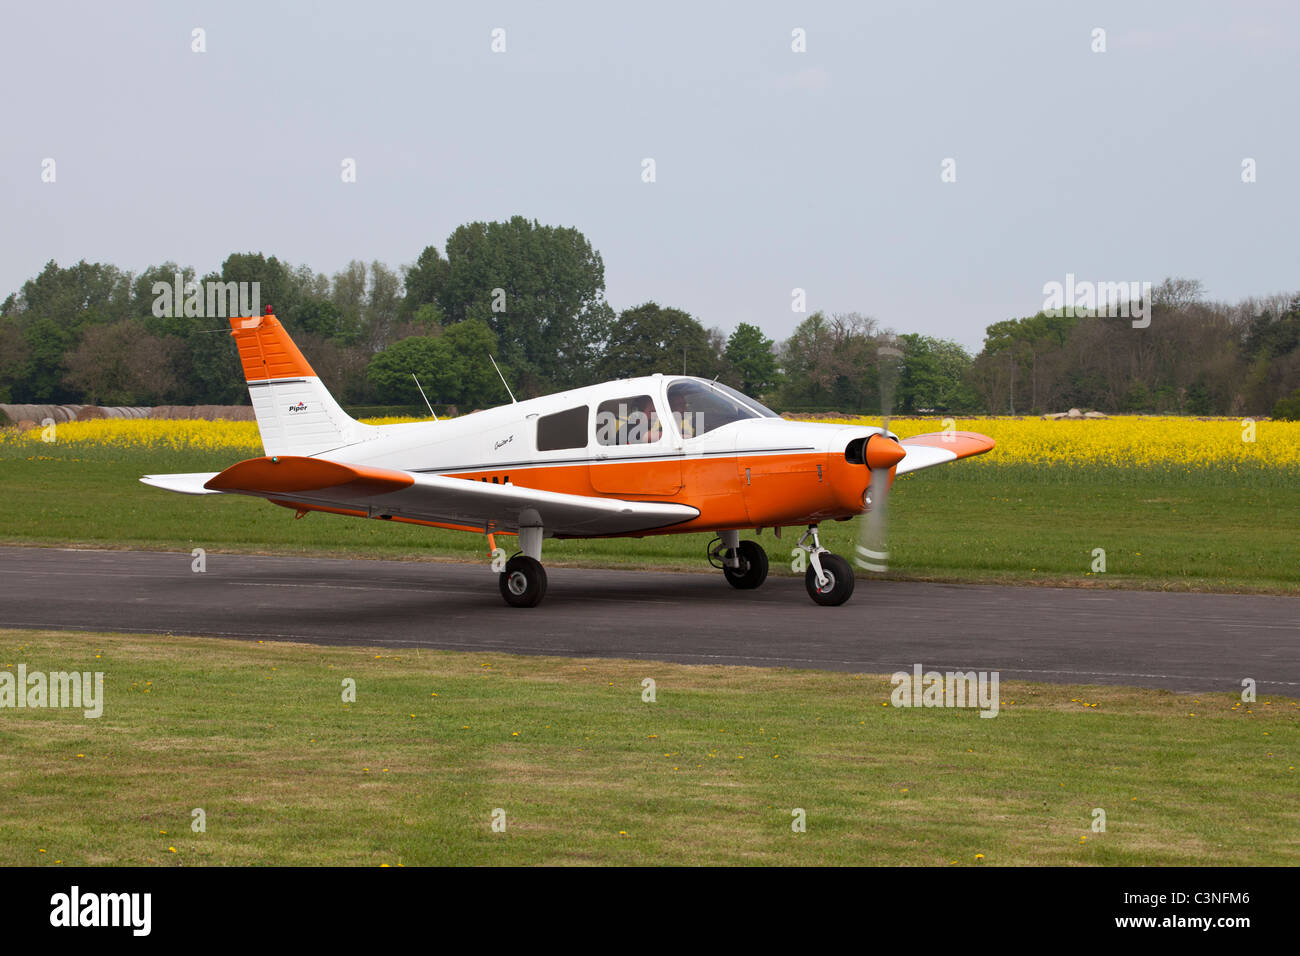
[{"x": 1180, "y": 641}]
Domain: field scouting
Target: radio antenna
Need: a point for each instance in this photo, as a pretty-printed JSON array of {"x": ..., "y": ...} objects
[
  {"x": 503, "y": 380},
  {"x": 423, "y": 396}
]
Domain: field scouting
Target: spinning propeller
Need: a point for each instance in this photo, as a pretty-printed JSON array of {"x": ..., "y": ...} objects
[{"x": 882, "y": 453}]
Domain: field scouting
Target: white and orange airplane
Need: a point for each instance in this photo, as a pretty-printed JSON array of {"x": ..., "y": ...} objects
[{"x": 662, "y": 454}]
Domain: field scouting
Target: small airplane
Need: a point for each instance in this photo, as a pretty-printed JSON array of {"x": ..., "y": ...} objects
[{"x": 661, "y": 454}]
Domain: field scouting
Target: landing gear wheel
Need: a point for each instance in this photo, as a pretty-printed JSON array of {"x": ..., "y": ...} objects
[
  {"x": 523, "y": 582},
  {"x": 839, "y": 587},
  {"x": 753, "y": 567}
]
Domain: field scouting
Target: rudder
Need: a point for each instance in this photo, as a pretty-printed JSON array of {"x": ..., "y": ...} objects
[{"x": 296, "y": 415}]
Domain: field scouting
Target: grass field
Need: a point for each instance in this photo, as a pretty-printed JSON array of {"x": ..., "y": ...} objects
[
  {"x": 1162, "y": 525},
  {"x": 258, "y": 737}
]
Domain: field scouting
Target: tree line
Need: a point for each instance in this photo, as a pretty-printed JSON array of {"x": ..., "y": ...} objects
[{"x": 533, "y": 296}]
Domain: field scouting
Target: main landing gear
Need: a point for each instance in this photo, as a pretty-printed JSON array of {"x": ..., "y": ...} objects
[
  {"x": 523, "y": 582},
  {"x": 743, "y": 563},
  {"x": 829, "y": 578}
]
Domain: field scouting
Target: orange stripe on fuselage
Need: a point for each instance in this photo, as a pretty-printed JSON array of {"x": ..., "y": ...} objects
[{"x": 782, "y": 489}]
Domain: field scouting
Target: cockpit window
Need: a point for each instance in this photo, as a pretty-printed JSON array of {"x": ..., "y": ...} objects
[
  {"x": 699, "y": 407},
  {"x": 628, "y": 421}
]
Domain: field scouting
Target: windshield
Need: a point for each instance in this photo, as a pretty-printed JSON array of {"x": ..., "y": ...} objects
[
  {"x": 742, "y": 397},
  {"x": 699, "y": 407}
]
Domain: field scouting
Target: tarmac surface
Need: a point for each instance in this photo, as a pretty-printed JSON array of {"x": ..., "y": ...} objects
[{"x": 1179, "y": 641}]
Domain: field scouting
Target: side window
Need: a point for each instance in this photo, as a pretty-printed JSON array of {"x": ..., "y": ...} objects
[
  {"x": 566, "y": 429},
  {"x": 628, "y": 421}
]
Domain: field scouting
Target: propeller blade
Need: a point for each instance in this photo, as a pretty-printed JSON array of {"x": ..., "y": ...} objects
[{"x": 882, "y": 453}]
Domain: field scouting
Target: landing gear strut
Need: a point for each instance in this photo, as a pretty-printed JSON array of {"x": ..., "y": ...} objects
[{"x": 829, "y": 578}]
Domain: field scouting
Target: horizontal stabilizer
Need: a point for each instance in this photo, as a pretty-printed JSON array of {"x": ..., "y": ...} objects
[{"x": 187, "y": 484}]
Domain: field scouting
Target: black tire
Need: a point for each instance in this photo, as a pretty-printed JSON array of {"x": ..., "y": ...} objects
[
  {"x": 753, "y": 567},
  {"x": 840, "y": 587},
  {"x": 523, "y": 582}
]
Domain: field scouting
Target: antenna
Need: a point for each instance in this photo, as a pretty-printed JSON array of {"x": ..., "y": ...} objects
[
  {"x": 423, "y": 396},
  {"x": 503, "y": 380}
]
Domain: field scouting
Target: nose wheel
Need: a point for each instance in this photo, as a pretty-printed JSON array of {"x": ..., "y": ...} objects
[
  {"x": 836, "y": 585},
  {"x": 829, "y": 578}
]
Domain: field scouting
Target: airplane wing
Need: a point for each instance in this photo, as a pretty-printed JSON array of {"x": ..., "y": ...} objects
[
  {"x": 317, "y": 483},
  {"x": 938, "y": 448}
]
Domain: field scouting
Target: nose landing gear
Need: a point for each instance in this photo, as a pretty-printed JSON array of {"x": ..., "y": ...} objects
[{"x": 829, "y": 578}]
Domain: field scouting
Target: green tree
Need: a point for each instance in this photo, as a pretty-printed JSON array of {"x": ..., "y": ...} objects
[
  {"x": 1288, "y": 409},
  {"x": 423, "y": 282},
  {"x": 651, "y": 338},
  {"x": 122, "y": 364},
  {"x": 933, "y": 375},
  {"x": 832, "y": 363},
  {"x": 751, "y": 354},
  {"x": 453, "y": 367},
  {"x": 540, "y": 289},
  {"x": 276, "y": 285},
  {"x": 14, "y": 355},
  {"x": 390, "y": 371}
]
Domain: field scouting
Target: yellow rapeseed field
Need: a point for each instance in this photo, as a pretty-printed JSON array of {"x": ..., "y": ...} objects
[
  {"x": 146, "y": 434},
  {"x": 1122, "y": 440}
]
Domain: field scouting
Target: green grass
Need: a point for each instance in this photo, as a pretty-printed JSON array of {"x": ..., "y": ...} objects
[
  {"x": 257, "y": 735},
  {"x": 1202, "y": 529}
]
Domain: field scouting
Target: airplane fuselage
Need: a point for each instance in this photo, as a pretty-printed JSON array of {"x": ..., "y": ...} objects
[{"x": 756, "y": 471}]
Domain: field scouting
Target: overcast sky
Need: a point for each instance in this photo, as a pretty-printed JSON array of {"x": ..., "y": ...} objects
[{"x": 774, "y": 169}]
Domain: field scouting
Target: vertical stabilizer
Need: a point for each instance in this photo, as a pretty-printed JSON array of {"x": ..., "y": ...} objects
[{"x": 295, "y": 412}]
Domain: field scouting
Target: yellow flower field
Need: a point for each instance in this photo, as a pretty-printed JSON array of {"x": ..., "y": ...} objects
[
  {"x": 146, "y": 434},
  {"x": 1123, "y": 440}
]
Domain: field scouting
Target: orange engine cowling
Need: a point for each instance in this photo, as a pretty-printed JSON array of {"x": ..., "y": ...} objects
[{"x": 851, "y": 474}]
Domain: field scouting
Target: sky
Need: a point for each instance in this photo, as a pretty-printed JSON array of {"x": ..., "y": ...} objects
[{"x": 774, "y": 169}]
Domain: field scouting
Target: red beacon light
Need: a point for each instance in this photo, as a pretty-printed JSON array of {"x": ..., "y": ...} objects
[{"x": 268, "y": 311}]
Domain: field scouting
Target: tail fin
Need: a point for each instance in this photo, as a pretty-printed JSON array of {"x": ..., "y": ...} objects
[{"x": 295, "y": 412}]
